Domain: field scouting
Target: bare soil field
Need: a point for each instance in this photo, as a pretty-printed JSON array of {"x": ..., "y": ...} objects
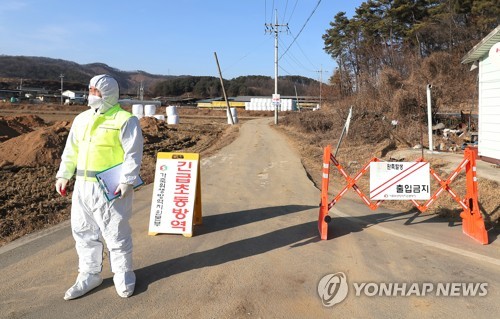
[{"x": 32, "y": 139}]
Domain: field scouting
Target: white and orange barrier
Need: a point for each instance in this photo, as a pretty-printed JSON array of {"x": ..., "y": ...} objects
[{"x": 472, "y": 221}]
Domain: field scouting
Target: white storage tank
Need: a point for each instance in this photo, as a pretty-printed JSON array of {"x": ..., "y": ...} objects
[
  {"x": 149, "y": 110},
  {"x": 138, "y": 110},
  {"x": 171, "y": 110},
  {"x": 173, "y": 119}
]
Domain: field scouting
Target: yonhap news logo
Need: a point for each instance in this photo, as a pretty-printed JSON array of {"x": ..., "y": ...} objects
[{"x": 333, "y": 289}]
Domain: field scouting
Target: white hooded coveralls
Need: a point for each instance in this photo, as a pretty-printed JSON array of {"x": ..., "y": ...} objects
[{"x": 91, "y": 213}]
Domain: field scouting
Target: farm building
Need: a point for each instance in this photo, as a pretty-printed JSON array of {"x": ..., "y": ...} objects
[
  {"x": 486, "y": 56},
  {"x": 75, "y": 97},
  {"x": 75, "y": 94}
]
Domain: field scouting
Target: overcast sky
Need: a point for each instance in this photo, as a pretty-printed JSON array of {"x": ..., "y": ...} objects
[{"x": 178, "y": 37}]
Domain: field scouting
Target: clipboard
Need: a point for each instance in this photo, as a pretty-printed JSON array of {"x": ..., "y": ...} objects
[{"x": 110, "y": 179}]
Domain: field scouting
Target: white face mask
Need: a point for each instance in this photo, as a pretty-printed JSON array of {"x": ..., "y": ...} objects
[{"x": 95, "y": 102}]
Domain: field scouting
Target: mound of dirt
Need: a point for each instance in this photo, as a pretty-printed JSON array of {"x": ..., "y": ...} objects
[
  {"x": 152, "y": 129},
  {"x": 12, "y": 126},
  {"x": 41, "y": 147},
  {"x": 150, "y": 125}
]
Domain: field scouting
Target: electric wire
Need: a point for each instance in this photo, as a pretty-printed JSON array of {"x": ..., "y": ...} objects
[
  {"x": 284, "y": 13},
  {"x": 293, "y": 10},
  {"x": 265, "y": 12},
  {"x": 305, "y": 55},
  {"x": 305, "y": 23},
  {"x": 279, "y": 66},
  {"x": 290, "y": 59},
  {"x": 296, "y": 60},
  {"x": 246, "y": 55}
]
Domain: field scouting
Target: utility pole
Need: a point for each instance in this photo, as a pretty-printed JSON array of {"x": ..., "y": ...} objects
[
  {"x": 228, "y": 108},
  {"x": 62, "y": 77},
  {"x": 141, "y": 92},
  {"x": 20, "y": 88},
  {"x": 275, "y": 28},
  {"x": 297, "y": 98},
  {"x": 320, "y": 83}
]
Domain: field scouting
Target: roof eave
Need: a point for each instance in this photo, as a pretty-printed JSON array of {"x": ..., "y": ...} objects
[{"x": 479, "y": 49}]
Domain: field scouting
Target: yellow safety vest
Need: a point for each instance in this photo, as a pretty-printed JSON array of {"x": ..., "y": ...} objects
[{"x": 98, "y": 140}]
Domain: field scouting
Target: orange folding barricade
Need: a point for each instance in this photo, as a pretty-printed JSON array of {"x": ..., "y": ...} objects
[{"x": 472, "y": 220}]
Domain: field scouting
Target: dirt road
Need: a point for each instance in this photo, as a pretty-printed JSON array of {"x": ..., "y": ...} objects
[{"x": 258, "y": 254}]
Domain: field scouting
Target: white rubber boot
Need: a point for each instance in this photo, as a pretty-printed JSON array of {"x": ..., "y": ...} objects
[
  {"x": 124, "y": 283},
  {"x": 85, "y": 282}
]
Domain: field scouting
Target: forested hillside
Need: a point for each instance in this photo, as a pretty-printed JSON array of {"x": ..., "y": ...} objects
[
  {"x": 388, "y": 53},
  {"x": 253, "y": 85},
  {"x": 390, "y": 50}
]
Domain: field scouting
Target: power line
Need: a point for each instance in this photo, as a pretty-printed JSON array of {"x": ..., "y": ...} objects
[
  {"x": 285, "y": 70},
  {"x": 265, "y": 11},
  {"x": 284, "y": 13},
  {"x": 229, "y": 67},
  {"x": 305, "y": 23},
  {"x": 305, "y": 55},
  {"x": 297, "y": 61},
  {"x": 295, "y": 6}
]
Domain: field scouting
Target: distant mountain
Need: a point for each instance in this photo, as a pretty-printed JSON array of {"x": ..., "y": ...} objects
[
  {"x": 45, "y": 72},
  {"x": 41, "y": 72}
]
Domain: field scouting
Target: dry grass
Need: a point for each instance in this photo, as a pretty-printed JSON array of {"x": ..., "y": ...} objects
[
  {"x": 392, "y": 95},
  {"x": 370, "y": 136}
]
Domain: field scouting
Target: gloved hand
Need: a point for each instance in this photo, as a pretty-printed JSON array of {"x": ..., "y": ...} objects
[
  {"x": 124, "y": 189},
  {"x": 61, "y": 186}
]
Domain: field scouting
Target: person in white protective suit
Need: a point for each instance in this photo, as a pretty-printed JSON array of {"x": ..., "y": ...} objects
[{"x": 100, "y": 138}]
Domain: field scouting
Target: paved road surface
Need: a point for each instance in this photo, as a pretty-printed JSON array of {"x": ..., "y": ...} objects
[{"x": 257, "y": 254}]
